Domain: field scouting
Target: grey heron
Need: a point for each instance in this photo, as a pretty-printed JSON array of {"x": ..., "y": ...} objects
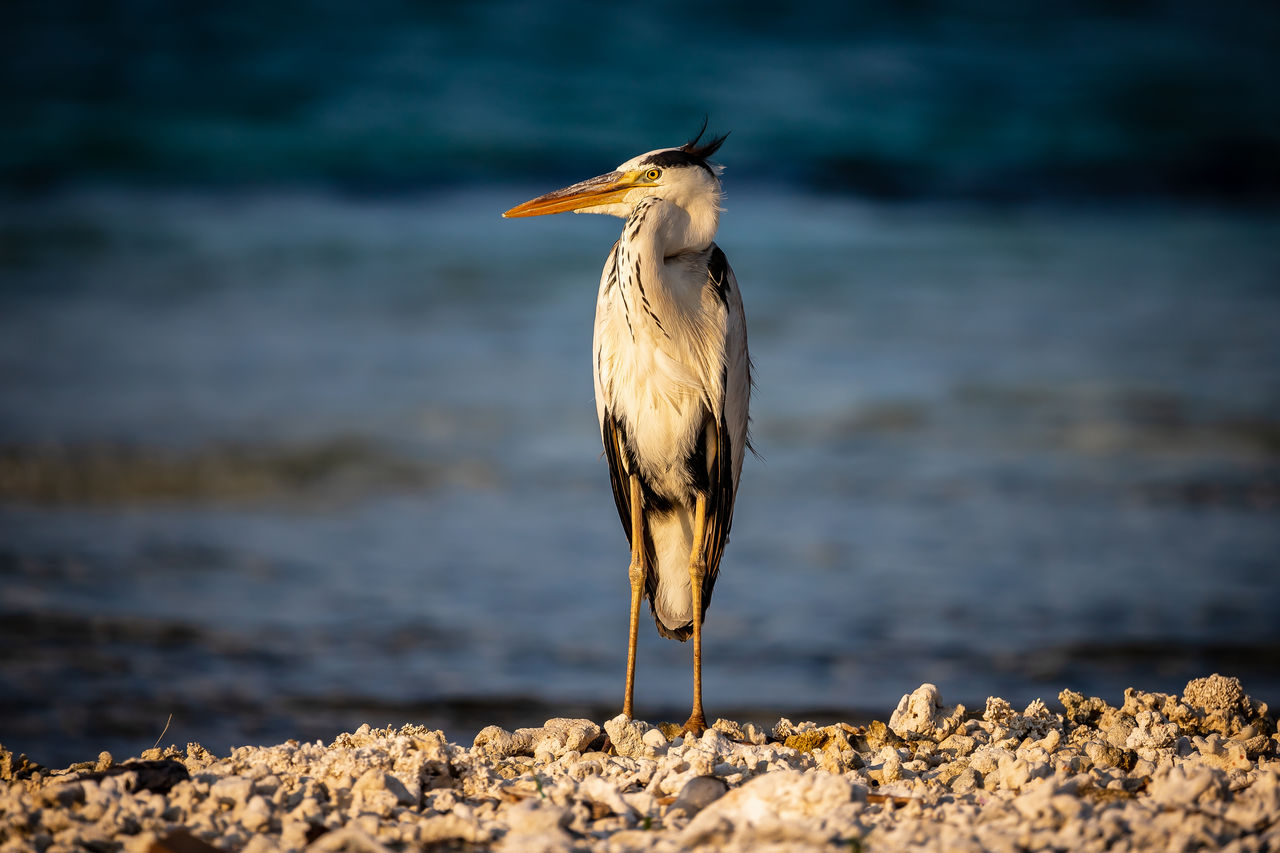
[{"x": 672, "y": 382}]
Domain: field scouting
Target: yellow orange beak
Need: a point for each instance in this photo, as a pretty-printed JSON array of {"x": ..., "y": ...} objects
[{"x": 589, "y": 193}]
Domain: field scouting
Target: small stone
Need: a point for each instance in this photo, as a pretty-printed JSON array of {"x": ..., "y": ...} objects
[
  {"x": 879, "y": 735},
  {"x": 560, "y": 736},
  {"x": 499, "y": 743},
  {"x": 256, "y": 814},
  {"x": 730, "y": 729},
  {"x": 655, "y": 739},
  {"x": 807, "y": 741},
  {"x": 231, "y": 790},
  {"x": 1151, "y": 730},
  {"x": 961, "y": 744},
  {"x": 966, "y": 781},
  {"x": 784, "y": 728},
  {"x": 1080, "y": 710},
  {"x": 1103, "y": 754},
  {"x": 997, "y": 711},
  {"x": 1216, "y": 695},
  {"x": 698, "y": 793},
  {"x": 921, "y": 716},
  {"x": 627, "y": 737},
  {"x": 715, "y": 743},
  {"x": 535, "y": 826},
  {"x": 986, "y": 759},
  {"x": 604, "y": 793},
  {"x": 1116, "y": 726},
  {"x": 375, "y": 781}
]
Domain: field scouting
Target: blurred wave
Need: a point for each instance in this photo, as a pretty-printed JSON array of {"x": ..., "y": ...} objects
[
  {"x": 121, "y": 474},
  {"x": 935, "y": 98}
]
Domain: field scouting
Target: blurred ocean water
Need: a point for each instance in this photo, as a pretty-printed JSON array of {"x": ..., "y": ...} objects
[
  {"x": 970, "y": 98},
  {"x": 266, "y": 455},
  {"x": 297, "y": 433}
]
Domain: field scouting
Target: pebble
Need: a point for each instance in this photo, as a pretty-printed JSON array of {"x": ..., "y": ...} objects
[
  {"x": 698, "y": 793},
  {"x": 1159, "y": 772}
]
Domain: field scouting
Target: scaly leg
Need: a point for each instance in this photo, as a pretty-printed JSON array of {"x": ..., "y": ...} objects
[
  {"x": 636, "y": 574},
  {"x": 697, "y": 723}
]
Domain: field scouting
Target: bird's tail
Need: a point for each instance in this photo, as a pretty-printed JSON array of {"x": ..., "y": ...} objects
[{"x": 668, "y": 585}]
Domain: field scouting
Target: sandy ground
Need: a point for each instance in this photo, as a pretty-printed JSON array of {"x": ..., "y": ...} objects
[{"x": 1160, "y": 772}]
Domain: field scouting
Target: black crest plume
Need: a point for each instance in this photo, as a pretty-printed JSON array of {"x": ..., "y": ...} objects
[{"x": 702, "y": 152}]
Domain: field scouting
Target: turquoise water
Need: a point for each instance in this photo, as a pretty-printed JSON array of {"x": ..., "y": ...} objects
[
  {"x": 297, "y": 433},
  {"x": 996, "y": 100}
]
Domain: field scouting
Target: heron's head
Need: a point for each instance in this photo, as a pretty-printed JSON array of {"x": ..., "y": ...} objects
[{"x": 682, "y": 176}]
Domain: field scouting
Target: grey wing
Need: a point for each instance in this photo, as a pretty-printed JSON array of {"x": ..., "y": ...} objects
[
  {"x": 725, "y": 437},
  {"x": 615, "y": 452}
]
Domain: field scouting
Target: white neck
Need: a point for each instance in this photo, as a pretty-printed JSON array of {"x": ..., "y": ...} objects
[{"x": 689, "y": 228}]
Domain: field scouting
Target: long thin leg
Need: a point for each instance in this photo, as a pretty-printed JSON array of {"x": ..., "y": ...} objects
[
  {"x": 697, "y": 723},
  {"x": 636, "y": 574}
]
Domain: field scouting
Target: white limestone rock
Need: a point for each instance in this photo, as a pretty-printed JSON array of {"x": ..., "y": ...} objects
[
  {"x": 561, "y": 736},
  {"x": 1151, "y": 731},
  {"x": 229, "y": 790},
  {"x": 536, "y": 826},
  {"x": 497, "y": 742},
  {"x": 921, "y": 715},
  {"x": 628, "y": 737}
]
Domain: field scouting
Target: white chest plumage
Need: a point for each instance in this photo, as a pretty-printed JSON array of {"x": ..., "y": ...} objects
[{"x": 647, "y": 376}]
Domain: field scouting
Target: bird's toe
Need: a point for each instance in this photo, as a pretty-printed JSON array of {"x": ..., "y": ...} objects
[{"x": 695, "y": 725}]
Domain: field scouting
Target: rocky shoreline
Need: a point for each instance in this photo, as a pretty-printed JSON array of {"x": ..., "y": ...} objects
[{"x": 1159, "y": 772}]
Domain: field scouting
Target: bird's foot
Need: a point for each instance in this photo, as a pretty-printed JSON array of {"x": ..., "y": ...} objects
[{"x": 695, "y": 725}]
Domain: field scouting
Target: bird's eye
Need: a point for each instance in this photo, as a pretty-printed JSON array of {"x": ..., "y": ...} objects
[{"x": 653, "y": 174}]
